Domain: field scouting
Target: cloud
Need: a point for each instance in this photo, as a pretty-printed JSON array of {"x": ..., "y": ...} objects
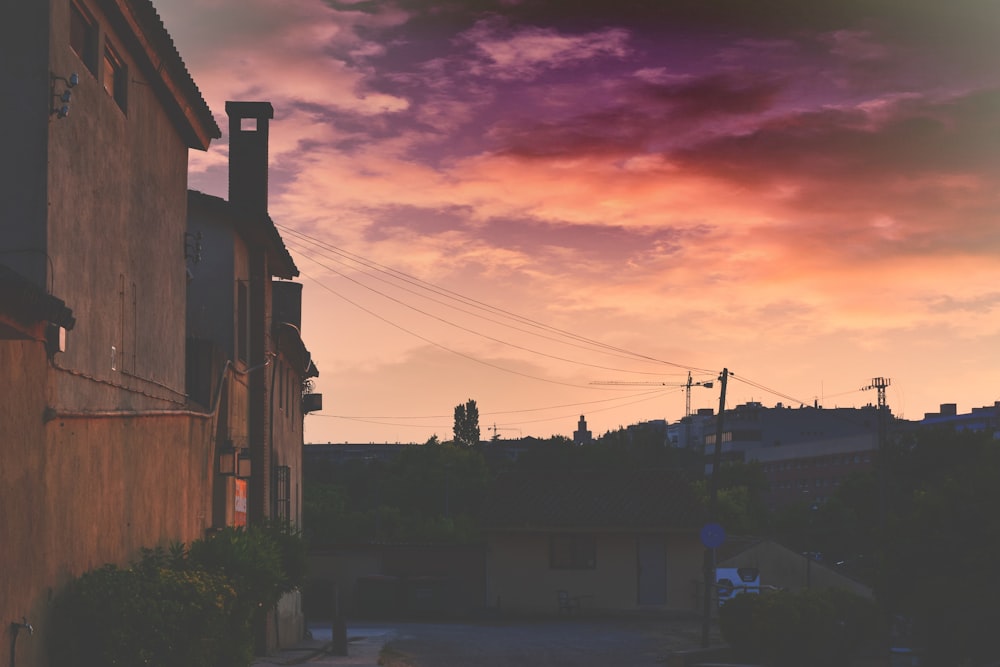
[
  {"x": 299, "y": 50},
  {"x": 523, "y": 53}
]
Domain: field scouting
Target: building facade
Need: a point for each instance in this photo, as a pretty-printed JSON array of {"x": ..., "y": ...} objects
[
  {"x": 102, "y": 452},
  {"x": 247, "y": 359},
  {"x": 805, "y": 453}
]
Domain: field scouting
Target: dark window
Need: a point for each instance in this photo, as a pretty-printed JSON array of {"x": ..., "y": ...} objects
[
  {"x": 115, "y": 77},
  {"x": 572, "y": 552},
  {"x": 83, "y": 37},
  {"x": 242, "y": 321},
  {"x": 282, "y": 493}
]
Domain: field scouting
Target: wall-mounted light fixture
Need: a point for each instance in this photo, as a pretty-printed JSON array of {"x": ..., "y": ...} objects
[
  {"x": 227, "y": 460},
  {"x": 62, "y": 98},
  {"x": 243, "y": 467},
  {"x": 235, "y": 462}
]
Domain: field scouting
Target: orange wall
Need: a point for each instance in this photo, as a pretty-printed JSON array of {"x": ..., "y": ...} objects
[{"x": 78, "y": 493}]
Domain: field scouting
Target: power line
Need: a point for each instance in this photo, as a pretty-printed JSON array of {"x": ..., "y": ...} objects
[
  {"x": 494, "y": 412},
  {"x": 435, "y": 343},
  {"x": 472, "y": 331},
  {"x": 479, "y": 304}
]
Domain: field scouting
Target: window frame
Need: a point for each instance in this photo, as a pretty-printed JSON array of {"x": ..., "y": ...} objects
[
  {"x": 84, "y": 36},
  {"x": 113, "y": 67},
  {"x": 283, "y": 493},
  {"x": 242, "y": 321},
  {"x": 572, "y": 551}
]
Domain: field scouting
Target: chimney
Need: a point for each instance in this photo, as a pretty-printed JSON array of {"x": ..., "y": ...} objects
[{"x": 248, "y": 154}]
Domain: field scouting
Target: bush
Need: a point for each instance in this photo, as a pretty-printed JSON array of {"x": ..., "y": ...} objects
[
  {"x": 142, "y": 616},
  {"x": 178, "y": 607},
  {"x": 814, "y": 627}
]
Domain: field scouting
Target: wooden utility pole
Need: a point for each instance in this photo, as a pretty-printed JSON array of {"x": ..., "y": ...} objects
[{"x": 713, "y": 511}]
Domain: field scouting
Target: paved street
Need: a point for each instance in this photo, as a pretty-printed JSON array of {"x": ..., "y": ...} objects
[{"x": 578, "y": 642}]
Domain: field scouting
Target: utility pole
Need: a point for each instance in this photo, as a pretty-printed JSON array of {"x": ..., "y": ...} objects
[
  {"x": 880, "y": 384},
  {"x": 713, "y": 510}
]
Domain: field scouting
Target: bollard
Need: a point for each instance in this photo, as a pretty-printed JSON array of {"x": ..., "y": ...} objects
[{"x": 339, "y": 645}]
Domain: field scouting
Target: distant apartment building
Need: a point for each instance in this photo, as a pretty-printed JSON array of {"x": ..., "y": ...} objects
[
  {"x": 338, "y": 453},
  {"x": 805, "y": 452},
  {"x": 985, "y": 419}
]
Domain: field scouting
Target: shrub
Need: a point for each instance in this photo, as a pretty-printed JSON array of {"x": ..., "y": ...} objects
[
  {"x": 142, "y": 616},
  {"x": 179, "y": 607},
  {"x": 249, "y": 557},
  {"x": 815, "y": 627}
]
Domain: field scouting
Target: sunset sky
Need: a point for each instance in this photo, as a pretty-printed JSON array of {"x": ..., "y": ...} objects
[{"x": 508, "y": 200}]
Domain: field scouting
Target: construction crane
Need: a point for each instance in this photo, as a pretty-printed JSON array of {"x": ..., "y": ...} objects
[
  {"x": 495, "y": 428},
  {"x": 687, "y": 385}
]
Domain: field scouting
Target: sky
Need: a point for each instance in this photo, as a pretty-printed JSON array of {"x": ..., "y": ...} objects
[{"x": 531, "y": 203}]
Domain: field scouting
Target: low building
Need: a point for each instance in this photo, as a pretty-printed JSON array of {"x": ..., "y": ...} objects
[
  {"x": 781, "y": 568},
  {"x": 607, "y": 540}
]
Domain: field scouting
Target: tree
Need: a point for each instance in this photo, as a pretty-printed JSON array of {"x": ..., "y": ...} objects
[
  {"x": 942, "y": 542},
  {"x": 467, "y": 424}
]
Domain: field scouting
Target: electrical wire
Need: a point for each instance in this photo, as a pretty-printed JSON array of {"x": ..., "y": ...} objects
[
  {"x": 472, "y": 331},
  {"x": 479, "y": 304}
]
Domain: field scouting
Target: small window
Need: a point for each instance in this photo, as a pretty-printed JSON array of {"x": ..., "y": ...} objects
[
  {"x": 282, "y": 493},
  {"x": 281, "y": 384},
  {"x": 242, "y": 321},
  {"x": 83, "y": 37},
  {"x": 115, "y": 77},
  {"x": 572, "y": 552}
]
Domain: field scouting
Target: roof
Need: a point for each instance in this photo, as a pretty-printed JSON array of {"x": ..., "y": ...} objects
[
  {"x": 163, "y": 63},
  {"x": 257, "y": 229},
  {"x": 594, "y": 500},
  {"x": 27, "y": 302}
]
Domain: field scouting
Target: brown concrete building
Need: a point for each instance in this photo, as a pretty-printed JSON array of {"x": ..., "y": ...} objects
[
  {"x": 102, "y": 454},
  {"x": 247, "y": 356}
]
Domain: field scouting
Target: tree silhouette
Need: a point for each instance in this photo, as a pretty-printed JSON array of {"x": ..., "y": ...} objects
[{"x": 467, "y": 424}]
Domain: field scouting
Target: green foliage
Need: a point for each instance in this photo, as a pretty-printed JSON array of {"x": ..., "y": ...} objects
[
  {"x": 943, "y": 543},
  {"x": 824, "y": 628},
  {"x": 143, "y": 616},
  {"x": 250, "y": 557},
  {"x": 430, "y": 493},
  {"x": 178, "y": 607},
  {"x": 740, "y": 505}
]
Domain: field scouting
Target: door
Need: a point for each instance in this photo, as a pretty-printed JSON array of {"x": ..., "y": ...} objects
[{"x": 652, "y": 569}]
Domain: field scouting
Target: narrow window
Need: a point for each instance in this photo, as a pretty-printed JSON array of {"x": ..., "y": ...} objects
[
  {"x": 242, "y": 320},
  {"x": 83, "y": 37},
  {"x": 282, "y": 493},
  {"x": 115, "y": 77},
  {"x": 279, "y": 369}
]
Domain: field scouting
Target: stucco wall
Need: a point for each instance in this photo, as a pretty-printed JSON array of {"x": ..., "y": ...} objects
[
  {"x": 78, "y": 493},
  {"x": 117, "y": 194}
]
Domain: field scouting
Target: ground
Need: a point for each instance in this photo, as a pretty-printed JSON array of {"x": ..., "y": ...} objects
[{"x": 644, "y": 641}]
